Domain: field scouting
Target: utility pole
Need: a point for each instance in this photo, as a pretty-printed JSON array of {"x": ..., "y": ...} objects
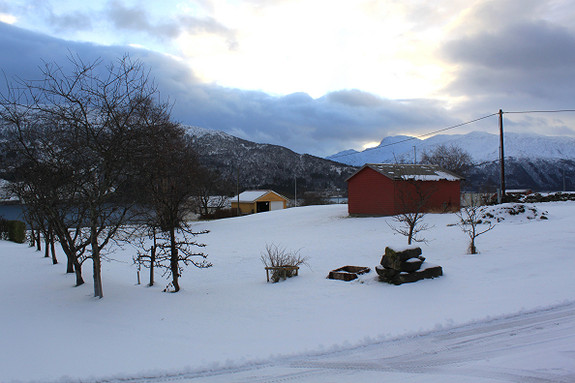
[
  {"x": 295, "y": 190},
  {"x": 414, "y": 155},
  {"x": 238, "y": 189},
  {"x": 501, "y": 156}
]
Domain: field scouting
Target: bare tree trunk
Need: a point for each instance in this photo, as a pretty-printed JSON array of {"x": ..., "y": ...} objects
[
  {"x": 73, "y": 264},
  {"x": 152, "y": 260},
  {"x": 77, "y": 268},
  {"x": 53, "y": 248},
  {"x": 473, "y": 249},
  {"x": 46, "y": 244},
  {"x": 96, "y": 262},
  {"x": 174, "y": 260},
  {"x": 32, "y": 236},
  {"x": 38, "y": 243},
  {"x": 70, "y": 264}
]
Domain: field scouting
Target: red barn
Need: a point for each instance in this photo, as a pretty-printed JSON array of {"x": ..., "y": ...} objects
[{"x": 391, "y": 189}]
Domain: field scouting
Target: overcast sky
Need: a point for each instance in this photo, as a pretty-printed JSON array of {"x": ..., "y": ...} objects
[{"x": 320, "y": 76}]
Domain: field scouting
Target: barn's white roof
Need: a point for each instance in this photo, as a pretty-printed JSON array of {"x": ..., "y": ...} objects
[
  {"x": 417, "y": 172},
  {"x": 252, "y": 195}
]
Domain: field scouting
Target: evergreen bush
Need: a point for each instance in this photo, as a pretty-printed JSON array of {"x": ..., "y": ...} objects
[
  {"x": 3, "y": 229},
  {"x": 14, "y": 231}
]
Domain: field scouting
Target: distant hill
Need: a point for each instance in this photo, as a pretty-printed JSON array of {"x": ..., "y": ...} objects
[{"x": 263, "y": 166}]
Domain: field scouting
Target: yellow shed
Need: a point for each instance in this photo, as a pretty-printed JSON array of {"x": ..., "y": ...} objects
[{"x": 257, "y": 201}]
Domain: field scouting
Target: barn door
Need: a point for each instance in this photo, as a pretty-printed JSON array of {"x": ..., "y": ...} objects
[{"x": 263, "y": 206}]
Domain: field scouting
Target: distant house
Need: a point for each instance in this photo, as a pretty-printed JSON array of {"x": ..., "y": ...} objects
[
  {"x": 257, "y": 201},
  {"x": 391, "y": 189}
]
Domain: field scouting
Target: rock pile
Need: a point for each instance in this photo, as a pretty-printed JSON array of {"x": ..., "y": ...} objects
[{"x": 405, "y": 266}]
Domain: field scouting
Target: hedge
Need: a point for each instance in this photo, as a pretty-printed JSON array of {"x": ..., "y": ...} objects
[{"x": 13, "y": 230}]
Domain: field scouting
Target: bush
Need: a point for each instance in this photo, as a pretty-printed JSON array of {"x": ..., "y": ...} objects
[
  {"x": 14, "y": 231},
  {"x": 221, "y": 213},
  {"x": 277, "y": 256},
  {"x": 3, "y": 229}
]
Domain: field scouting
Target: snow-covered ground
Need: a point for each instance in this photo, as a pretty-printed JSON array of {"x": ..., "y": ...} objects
[{"x": 228, "y": 317}]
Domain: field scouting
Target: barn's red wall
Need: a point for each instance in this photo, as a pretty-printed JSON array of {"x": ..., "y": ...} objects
[
  {"x": 371, "y": 193},
  {"x": 437, "y": 196}
]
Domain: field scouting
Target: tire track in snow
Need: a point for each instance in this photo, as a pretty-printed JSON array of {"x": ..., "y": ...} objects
[{"x": 477, "y": 351}]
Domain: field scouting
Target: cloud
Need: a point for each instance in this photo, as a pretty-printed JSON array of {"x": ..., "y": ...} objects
[
  {"x": 524, "y": 55},
  {"x": 319, "y": 126},
  {"x": 519, "y": 63},
  {"x": 43, "y": 12},
  {"x": 139, "y": 19},
  {"x": 76, "y": 21},
  {"x": 533, "y": 58},
  {"x": 526, "y": 63},
  {"x": 160, "y": 23}
]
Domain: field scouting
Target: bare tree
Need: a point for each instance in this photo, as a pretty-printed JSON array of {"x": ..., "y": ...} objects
[
  {"x": 170, "y": 176},
  {"x": 449, "y": 157},
  {"x": 211, "y": 192},
  {"x": 472, "y": 222},
  {"x": 82, "y": 127},
  {"x": 412, "y": 198},
  {"x": 147, "y": 252},
  {"x": 44, "y": 188}
]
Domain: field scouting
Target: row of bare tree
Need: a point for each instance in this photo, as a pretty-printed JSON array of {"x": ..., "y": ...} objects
[{"x": 92, "y": 151}]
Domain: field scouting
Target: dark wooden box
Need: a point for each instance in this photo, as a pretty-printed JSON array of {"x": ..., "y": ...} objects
[{"x": 348, "y": 273}]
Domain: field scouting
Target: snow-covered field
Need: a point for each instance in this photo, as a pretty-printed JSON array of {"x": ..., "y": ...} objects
[{"x": 227, "y": 316}]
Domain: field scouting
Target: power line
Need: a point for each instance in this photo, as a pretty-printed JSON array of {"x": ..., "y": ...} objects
[{"x": 540, "y": 111}]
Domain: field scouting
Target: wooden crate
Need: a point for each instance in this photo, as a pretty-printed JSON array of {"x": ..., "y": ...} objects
[{"x": 348, "y": 273}]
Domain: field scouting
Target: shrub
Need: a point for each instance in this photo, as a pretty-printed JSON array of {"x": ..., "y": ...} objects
[
  {"x": 17, "y": 231},
  {"x": 221, "y": 213},
  {"x": 3, "y": 229},
  {"x": 277, "y": 256},
  {"x": 14, "y": 231}
]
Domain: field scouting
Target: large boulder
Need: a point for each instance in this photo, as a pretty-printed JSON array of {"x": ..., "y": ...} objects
[
  {"x": 406, "y": 260},
  {"x": 385, "y": 274},
  {"x": 401, "y": 255}
]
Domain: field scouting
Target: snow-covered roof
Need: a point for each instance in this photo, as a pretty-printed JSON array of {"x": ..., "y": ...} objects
[
  {"x": 417, "y": 172},
  {"x": 253, "y": 195}
]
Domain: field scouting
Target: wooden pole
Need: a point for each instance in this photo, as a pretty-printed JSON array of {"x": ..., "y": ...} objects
[
  {"x": 238, "y": 189},
  {"x": 295, "y": 190},
  {"x": 501, "y": 156}
]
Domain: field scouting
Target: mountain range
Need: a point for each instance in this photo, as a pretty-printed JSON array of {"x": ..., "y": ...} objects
[
  {"x": 483, "y": 147},
  {"x": 536, "y": 162}
]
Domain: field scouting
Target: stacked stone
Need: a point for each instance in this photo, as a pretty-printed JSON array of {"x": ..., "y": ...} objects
[{"x": 397, "y": 267}]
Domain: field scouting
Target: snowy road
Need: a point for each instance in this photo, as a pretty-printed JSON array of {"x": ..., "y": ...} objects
[{"x": 533, "y": 347}]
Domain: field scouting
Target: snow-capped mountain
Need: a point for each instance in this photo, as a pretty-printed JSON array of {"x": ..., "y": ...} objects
[
  {"x": 483, "y": 147},
  {"x": 532, "y": 162}
]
